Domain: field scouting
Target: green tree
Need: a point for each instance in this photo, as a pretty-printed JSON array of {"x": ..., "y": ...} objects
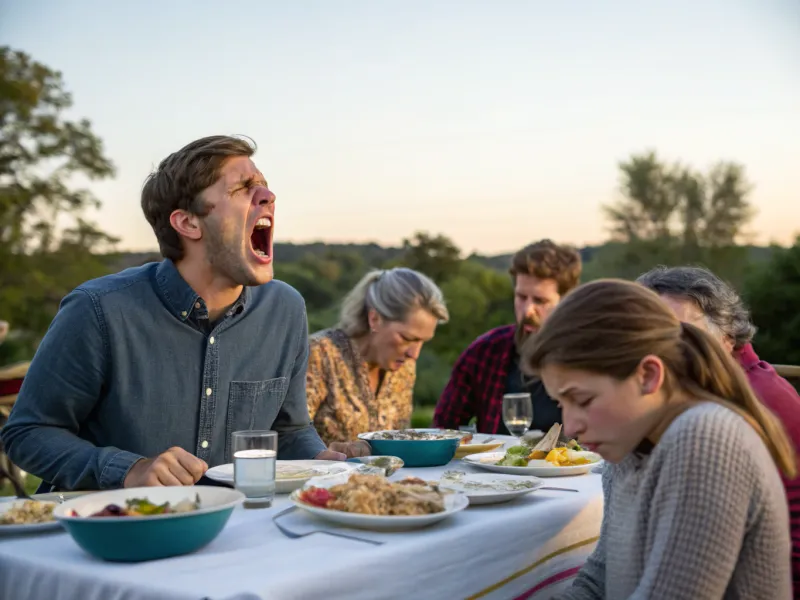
[
  {"x": 437, "y": 257},
  {"x": 672, "y": 214},
  {"x": 41, "y": 153},
  {"x": 773, "y": 294}
]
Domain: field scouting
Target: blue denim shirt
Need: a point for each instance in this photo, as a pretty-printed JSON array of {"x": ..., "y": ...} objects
[{"x": 131, "y": 367}]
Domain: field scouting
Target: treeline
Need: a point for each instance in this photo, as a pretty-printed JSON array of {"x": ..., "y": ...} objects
[
  {"x": 667, "y": 213},
  {"x": 479, "y": 293}
]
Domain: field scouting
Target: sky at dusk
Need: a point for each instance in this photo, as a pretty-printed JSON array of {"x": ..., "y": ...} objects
[{"x": 495, "y": 123}]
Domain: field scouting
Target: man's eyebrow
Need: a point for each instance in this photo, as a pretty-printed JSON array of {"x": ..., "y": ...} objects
[{"x": 247, "y": 180}]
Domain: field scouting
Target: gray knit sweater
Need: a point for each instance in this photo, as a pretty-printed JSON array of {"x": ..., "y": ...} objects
[{"x": 702, "y": 517}]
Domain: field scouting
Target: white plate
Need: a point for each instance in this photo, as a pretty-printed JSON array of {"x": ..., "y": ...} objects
[
  {"x": 493, "y": 489},
  {"x": 303, "y": 470},
  {"x": 537, "y": 468},
  {"x": 32, "y": 528},
  {"x": 453, "y": 503}
]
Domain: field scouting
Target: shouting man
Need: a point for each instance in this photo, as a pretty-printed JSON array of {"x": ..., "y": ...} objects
[
  {"x": 489, "y": 368},
  {"x": 143, "y": 375}
]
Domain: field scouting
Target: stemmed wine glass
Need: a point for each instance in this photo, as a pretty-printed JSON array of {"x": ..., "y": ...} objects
[{"x": 517, "y": 413}]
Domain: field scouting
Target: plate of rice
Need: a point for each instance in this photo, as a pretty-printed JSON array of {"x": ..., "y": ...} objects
[{"x": 373, "y": 502}]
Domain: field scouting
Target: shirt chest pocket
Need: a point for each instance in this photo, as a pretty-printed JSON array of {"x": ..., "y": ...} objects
[{"x": 253, "y": 405}]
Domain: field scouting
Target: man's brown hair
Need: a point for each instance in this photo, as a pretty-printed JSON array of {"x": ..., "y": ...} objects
[
  {"x": 178, "y": 181},
  {"x": 547, "y": 260}
]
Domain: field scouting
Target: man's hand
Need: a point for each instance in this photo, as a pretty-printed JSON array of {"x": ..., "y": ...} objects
[
  {"x": 350, "y": 449},
  {"x": 174, "y": 467}
]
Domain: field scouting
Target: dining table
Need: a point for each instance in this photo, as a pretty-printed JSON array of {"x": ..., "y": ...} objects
[{"x": 529, "y": 548}]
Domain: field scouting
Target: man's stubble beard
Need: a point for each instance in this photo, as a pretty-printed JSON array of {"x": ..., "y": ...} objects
[{"x": 226, "y": 258}]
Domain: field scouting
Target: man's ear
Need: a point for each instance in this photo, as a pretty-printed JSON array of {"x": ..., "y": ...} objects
[{"x": 186, "y": 224}]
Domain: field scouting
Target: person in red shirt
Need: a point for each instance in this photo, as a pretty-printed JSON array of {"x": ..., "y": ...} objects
[
  {"x": 699, "y": 297},
  {"x": 542, "y": 273}
]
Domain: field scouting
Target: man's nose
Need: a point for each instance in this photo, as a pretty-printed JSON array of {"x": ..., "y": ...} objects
[{"x": 263, "y": 195}]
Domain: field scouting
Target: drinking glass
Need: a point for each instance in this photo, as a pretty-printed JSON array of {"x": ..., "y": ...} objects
[
  {"x": 517, "y": 413},
  {"x": 254, "y": 459}
]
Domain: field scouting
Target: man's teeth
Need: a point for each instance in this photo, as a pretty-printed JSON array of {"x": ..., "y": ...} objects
[
  {"x": 263, "y": 222},
  {"x": 261, "y": 253}
]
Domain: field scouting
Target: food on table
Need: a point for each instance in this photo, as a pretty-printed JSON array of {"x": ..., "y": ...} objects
[
  {"x": 28, "y": 512},
  {"x": 383, "y": 462},
  {"x": 551, "y": 447},
  {"x": 516, "y": 456},
  {"x": 536, "y": 441},
  {"x": 498, "y": 485},
  {"x": 142, "y": 507},
  {"x": 292, "y": 472},
  {"x": 564, "y": 457},
  {"x": 375, "y": 495},
  {"x": 550, "y": 439},
  {"x": 413, "y": 435}
]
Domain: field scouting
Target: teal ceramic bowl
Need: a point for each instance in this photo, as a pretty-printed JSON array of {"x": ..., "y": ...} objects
[
  {"x": 137, "y": 539},
  {"x": 417, "y": 453}
]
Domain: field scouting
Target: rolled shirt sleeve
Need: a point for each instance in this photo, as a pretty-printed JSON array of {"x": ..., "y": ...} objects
[{"x": 61, "y": 388}]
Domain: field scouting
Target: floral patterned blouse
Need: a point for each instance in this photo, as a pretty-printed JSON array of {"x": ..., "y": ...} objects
[{"x": 340, "y": 401}]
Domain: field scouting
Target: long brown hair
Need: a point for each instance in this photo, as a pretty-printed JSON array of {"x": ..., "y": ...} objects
[{"x": 608, "y": 326}]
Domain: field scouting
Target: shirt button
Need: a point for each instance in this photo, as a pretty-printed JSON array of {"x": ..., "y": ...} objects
[
  {"x": 204, "y": 444},
  {"x": 184, "y": 313},
  {"x": 208, "y": 391},
  {"x": 211, "y": 340},
  {"x": 197, "y": 305}
]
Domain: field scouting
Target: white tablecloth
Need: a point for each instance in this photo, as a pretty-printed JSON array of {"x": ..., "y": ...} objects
[{"x": 528, "y": 548}]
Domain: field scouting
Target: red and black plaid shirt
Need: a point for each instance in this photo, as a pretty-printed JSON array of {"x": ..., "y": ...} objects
[{"x": 478, "y": 382}]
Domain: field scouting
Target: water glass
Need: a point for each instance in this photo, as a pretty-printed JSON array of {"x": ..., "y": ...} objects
[
  {"x": 254, "y": 459},
  {"x": 517, "y": 413}
]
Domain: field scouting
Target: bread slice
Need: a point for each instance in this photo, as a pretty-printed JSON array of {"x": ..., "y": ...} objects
[{"x": 550, "y": 439}]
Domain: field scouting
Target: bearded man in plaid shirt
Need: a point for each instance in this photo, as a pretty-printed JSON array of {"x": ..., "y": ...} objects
[{"x": 542, "y": 273}]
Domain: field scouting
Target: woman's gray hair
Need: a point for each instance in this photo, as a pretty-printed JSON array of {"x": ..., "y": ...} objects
[
  {"x": 724, "y": 310},
  {"x": 393, "y": 294}
]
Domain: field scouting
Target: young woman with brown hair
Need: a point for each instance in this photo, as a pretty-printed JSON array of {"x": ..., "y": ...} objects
[{"x": 694, "y": 505}]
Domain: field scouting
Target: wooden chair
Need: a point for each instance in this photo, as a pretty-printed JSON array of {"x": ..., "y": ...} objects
[
  {"x": 10, "y": 382},
  {"x": 789, "y": 372}
]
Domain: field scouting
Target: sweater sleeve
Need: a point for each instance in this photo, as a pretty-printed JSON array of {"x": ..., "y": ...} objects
[
  {"x": 590, "y": 583},
  {"x": 708, "y": 485}
]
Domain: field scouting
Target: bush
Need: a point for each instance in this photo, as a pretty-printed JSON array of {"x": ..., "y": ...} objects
[
  {"x": 773, "y": 295},
  {"x": 433, "y": 373}
]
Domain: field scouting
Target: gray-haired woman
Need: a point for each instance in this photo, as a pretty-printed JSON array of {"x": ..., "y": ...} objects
[{"x": 361, "y": 373}]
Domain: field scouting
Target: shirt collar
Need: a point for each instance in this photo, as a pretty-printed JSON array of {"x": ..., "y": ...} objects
[
  {"x": 746, "y": 356},
  {"x": 181, "y": 299}
]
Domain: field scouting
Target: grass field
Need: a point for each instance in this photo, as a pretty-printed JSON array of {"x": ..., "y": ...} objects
[
  {"x": 31, "y": 483},
  {"x": 422, "y": 416}
]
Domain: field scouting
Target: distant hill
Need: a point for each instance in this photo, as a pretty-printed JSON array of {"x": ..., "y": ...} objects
[
  {"x": 375, "y": 255},
  {"x": 502, "y": 262}
]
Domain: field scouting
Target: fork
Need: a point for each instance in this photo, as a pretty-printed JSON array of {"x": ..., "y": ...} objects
[{"x": 293, "y": 535}]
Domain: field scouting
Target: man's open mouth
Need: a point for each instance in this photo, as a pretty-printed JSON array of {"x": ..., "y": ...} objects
[{"x": 261, "y": 238}]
